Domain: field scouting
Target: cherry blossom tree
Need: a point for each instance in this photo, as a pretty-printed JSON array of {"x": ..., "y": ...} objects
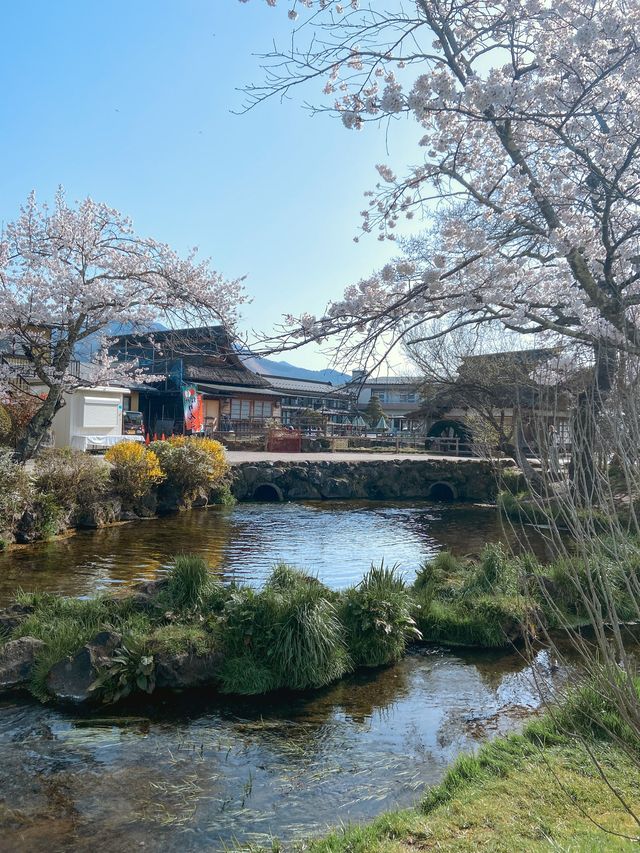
[
  {"x": 67, "y": 273},
  {"x": 526, "y": 173}
]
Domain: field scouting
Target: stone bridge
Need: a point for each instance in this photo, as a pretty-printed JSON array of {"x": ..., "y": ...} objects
[{"x": 395, "y": 479}]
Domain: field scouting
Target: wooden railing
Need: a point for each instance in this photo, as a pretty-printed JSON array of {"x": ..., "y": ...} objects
[{"x": 453, "y": 446}]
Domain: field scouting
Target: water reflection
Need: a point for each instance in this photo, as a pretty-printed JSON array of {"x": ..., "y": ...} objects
[
  {"x": 199, "y": 772},
  {"x": 336, "y": 541}
]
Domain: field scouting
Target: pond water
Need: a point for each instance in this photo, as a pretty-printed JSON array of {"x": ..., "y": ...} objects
[
  {"x": 201, "y": 772},
  {"x": 337, "y": 541}
]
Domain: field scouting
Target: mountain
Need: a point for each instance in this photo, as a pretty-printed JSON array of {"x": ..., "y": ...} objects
[
  {"x": 91, "y": 344},
  {"x": 269, "y": 367}
]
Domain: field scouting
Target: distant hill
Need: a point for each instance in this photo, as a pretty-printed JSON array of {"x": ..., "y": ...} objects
[
  {"x": 269, "y": 367},
  {"x": 91, "y": 344}
]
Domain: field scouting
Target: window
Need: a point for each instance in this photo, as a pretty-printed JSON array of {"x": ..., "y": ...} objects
[
  {"x": 262, "y": 409},
  {"x": 240, "y": 409},
  {"x": 100, "y": 412}
]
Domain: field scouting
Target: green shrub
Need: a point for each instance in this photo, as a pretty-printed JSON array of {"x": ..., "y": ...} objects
[
  {"x": 188, "y": 581},
  {"x": 378, "y": 616},
  {"x": 15, "y": 491},
  {"x": 222, "y": 496},
  {"x": 75, "y": 480}
]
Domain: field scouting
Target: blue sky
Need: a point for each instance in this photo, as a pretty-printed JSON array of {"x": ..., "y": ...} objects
[{"x": 131, "y": 103}]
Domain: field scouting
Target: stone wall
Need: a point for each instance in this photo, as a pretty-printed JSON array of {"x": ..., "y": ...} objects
[{"x": 376, "y": 480}]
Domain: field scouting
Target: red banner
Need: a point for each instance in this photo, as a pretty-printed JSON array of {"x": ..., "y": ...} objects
[{"x": 193, "y": 410}]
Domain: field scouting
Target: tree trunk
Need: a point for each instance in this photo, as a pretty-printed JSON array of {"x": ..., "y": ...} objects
[
  {"x": 590, "y": 403},
  {"x": 37, "y": 428}
]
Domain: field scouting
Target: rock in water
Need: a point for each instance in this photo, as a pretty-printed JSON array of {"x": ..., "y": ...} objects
[
  {"x": 17, "y": 658},
  {"x": 69, "y": 680},
  {"x": 181, "y": 670}
]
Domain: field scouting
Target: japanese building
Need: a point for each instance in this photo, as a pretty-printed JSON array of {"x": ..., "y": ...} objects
[{"x": 200, "y": 364}]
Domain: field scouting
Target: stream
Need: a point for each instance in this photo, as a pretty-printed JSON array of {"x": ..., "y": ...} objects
[{"x": 202, "y": 772}]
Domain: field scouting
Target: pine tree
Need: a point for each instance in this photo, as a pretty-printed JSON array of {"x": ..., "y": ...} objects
[{"x": 374, "y": 411}]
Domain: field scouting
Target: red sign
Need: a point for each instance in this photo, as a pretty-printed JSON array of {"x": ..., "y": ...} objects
[{"x": 193, "y": 410}]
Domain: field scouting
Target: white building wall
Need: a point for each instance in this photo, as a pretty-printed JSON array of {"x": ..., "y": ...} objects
[{"x": 89, "y": 411}]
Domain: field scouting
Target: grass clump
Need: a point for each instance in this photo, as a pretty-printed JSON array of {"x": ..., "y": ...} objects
[
  {"x": 245, "y": 675},
  {"x": 474, "y": 604},
  {"x": 64, "y": 625},
  {"x": 484, "y": 622},
  {"x": 495, "y": 572},
  {"x": 432, "y": 574},
  {"x": 188, "y": 581},
  {"x": 287, "y": 635},
  {"x": 379, "y": 617},
  {"x": 175, "y": 638}
]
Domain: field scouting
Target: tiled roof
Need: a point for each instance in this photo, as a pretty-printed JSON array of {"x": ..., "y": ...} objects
[
  {"x": 359, "y": 382},
  {"x": 224, "y": 374},
  {"x": 304, "y": 386}
]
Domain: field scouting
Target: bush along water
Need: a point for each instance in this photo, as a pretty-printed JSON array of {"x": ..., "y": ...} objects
[
  {"x": 67, "y": 489},
  {"x": 188, "y": 629},
  {"x": 294, "y": 633}
]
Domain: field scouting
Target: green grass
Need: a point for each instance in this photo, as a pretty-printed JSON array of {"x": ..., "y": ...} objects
[
  {"x": 485, "y": 622},
  {"x": 66, "y": 624},
  {"x": 515, "y": 798},
  {"x": 245, "y": 675},
  {"x": 188, "y": 581},
  {"x": 378, "y": 615},
  {"x": 290, "y": 631},
  {"x": 176, "y": 638},
  {"x": 540, "y": 790}
]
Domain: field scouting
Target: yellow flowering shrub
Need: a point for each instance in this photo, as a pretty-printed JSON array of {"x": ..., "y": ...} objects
[
  {"x": 193, "y": 465},
  {"x": 135, "y": 469}
]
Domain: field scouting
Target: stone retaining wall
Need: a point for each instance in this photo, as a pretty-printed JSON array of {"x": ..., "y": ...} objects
[{"x": 375, "y": 480}]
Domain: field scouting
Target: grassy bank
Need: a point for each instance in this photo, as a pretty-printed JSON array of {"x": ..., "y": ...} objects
[
  {"x": 553, "y": 799},
  {"x": 541, "y": 790},
  {"x": 294, "y": 633}
]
